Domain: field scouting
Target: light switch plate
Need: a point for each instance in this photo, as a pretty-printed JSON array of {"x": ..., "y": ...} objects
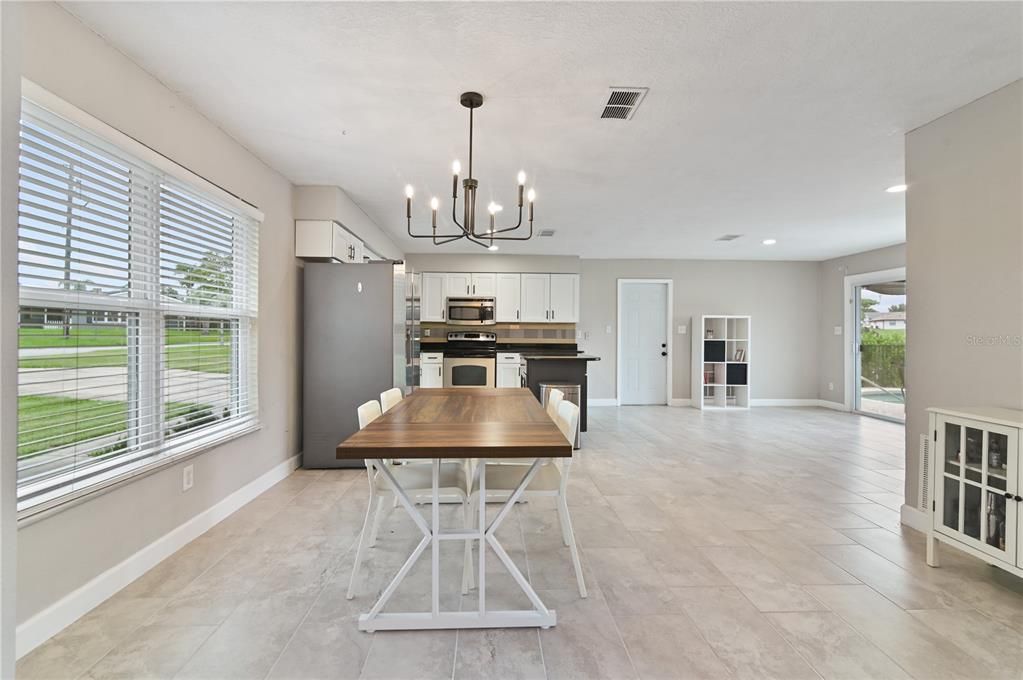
[
  {"x": 681, "y": 330},
  {"x": 607, "y": 329},
  {"x": 838, "y": 330},
  {"x": 187, "y": 477}
]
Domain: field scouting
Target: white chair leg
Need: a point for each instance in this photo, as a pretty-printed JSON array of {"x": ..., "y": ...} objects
[
  {"x": 361, "y": 549},
  {"x": 563, "y": 520},
  {"x": 468, "y": 580},
  {"x": 563, "y": 506},
  {"x": 376, "y": 522}
]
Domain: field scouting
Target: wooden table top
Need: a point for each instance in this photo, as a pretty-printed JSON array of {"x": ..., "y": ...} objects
[{"x": 460, "y": 423}]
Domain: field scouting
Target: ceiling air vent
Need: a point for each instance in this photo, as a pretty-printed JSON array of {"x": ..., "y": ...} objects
[
  {"x": 622, "y": 102},
  {"x": 728, "y": 237},
  {"x": 545, "y": 233}
]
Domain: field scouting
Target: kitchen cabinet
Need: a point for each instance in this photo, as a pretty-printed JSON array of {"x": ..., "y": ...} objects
[
  {"x": 508, "y": 370},
  {"x": 431, "y": 369},
  {"x": 520, "y": 298},
  {"x": 507, "y": 293},
  {"x": 325, "y": 240},
  {"x": 432, "y": 298},
  {"x": 457, "y": 284},
  {"x": 535, "y": 300},
  {"x": 484, "y": 284},
  {"x": 564, "y": 295}
]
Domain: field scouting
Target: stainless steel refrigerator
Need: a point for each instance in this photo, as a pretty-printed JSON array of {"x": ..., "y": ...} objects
[{"x": 360, "y": 338}]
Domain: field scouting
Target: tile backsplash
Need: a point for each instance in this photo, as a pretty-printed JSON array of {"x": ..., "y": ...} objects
[{"x": 562, "y": 332}]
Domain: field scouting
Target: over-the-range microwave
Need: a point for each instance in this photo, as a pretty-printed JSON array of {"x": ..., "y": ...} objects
[{"x": 470, "y": 311}]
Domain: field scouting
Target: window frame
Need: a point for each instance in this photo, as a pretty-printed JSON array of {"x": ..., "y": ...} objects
[{"x": 151, "y": 312}]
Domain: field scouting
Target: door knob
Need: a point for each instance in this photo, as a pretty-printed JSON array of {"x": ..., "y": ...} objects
[{"x": 664, "y": 354}]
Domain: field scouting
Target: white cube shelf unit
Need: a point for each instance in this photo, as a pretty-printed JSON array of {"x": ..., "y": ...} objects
[
  {"x": 973, "y": 475},
  {"x": 721, "y": 361}
]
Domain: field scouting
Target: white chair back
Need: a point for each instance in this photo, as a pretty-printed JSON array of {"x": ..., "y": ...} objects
[
  {"x": 389, "y": 398},
  {"x": 554, "y": 397},
  {"x": 369, "y": 412},
  {"x": 568, "y": 419}
]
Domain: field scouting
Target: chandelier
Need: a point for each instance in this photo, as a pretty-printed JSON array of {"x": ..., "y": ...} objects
[{"x": 467, "y": 227}]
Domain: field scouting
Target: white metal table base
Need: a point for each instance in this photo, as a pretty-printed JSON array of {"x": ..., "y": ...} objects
[{"x": 539, "y": 616}]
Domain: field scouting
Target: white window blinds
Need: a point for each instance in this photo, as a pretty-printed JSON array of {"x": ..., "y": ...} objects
[{"x": 138, "y": 313}]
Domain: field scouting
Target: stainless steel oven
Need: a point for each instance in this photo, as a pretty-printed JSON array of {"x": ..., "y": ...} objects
[
  {"x": 470, "y": 360},
  {"x": 470, "y": 311}
]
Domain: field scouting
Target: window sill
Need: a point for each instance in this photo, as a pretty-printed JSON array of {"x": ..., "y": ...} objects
[{"x": 47, "y": 508}]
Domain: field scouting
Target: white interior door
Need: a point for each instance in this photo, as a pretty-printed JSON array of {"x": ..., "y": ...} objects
[{"x": 644, "y": 343}]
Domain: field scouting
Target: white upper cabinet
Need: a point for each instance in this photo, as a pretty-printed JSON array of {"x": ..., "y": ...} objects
[
  {"x": 535, "y": 298},
  {"x": 519, "y": 298},
  {"x": 432, "y": 304},
  {"x": 326, "y": 240},
  {"x": 507, "y": 294},
  {"x": 564, "y": 298},
  {"x": 484, "y": 284},
  {"x": 457, "y": 284}
]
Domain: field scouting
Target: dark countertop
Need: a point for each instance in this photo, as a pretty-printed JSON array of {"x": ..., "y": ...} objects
[{"x": 559, "y": 357}]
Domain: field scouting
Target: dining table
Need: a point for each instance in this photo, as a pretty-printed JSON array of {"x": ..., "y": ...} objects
[{"x": 473, "y": 424}]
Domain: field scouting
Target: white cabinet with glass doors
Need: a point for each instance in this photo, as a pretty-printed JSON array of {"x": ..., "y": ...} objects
[{"x": 976, "y": 483}]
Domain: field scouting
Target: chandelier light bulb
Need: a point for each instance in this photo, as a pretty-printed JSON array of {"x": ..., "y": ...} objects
[
  {"x": 522, "y": 177},
  {"x": 409, "y": 191},
  {"x": 492, "y": 248},
  {"x": 434, "y": 203},
  {"x": 494, "y": 208},
  {"x": 531, "y": 195},
  {"x": 456, "y": 167}
]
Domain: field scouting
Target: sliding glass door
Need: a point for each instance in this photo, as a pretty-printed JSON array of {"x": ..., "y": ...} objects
[{"x": 880, "y": 351}]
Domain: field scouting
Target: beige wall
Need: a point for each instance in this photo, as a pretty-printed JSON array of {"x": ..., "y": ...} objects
[
  {"x": 780, "y": 296},
  {"x": 332, "y": 203},
  {"x": 488, "y": 262},
  {"x": 64, "y": 551},
  {"x": 964, "y": 257},
  {"x": 831, "y": 287}
]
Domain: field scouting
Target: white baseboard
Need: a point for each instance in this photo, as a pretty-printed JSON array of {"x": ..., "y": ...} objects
[
  {"x": 601, "y": 402},
  {"x": 76, "y": 604},
  {"x": 836, "y": 405},
  {"x": 784, "y": 402},
  {"x": 915, "y": 518},
  {"x": 680, "y": 402}
]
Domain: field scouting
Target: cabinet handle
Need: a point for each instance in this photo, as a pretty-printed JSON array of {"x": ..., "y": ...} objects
[
  {"x": 1008, "y": 495},
  {"x": 1018, "y": 499},
  {"x": 552, "y": 315},
  {"x": 442, "y": 313},
  {"x": 516, "y": 315}
]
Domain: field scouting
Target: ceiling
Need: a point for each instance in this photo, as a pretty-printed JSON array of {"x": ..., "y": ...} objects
[{"x": 770, "y": 120}]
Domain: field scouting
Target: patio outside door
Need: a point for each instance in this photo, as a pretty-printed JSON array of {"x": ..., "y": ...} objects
[{"x": 880, "y": 350}]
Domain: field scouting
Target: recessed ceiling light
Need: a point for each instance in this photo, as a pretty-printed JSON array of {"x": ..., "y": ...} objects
[
  {"x": 897, "y": 189},
  {"x": 769, "y": 241},
  {"x": 492, "y": 248}
]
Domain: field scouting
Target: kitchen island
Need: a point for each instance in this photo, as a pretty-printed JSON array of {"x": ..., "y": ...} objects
[{"x": 557, "y": 366}]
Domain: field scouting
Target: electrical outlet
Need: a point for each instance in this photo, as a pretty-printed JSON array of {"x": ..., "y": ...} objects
[
  {"x": 187, "y": 477},
  {"x": 586, "y": 335},
  {"x": 681, "y": 330},
  {"x": 838, "y": 330},
  {"x": 831, "y": 387},
  {"x": 426, "y": 332},
  {"x": 607, "y": 329}
]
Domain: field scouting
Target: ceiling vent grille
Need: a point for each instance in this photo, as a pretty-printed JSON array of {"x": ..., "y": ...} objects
[
  {"x": 728, "y": 237},
  {"x": 622, "y": 102},
  {"x": 546, "y": 233}
]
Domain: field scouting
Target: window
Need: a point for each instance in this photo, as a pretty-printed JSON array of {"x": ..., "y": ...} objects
[{"x": 138, "y": 308}]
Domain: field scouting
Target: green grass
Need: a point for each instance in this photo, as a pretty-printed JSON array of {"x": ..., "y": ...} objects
[
  {"x": 212, "y": 359},
  {"x": 106, "y": 336},
  {"x": 51, "y": 422}
]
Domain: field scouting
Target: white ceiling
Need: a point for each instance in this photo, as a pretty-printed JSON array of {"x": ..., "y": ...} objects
[{"x": 768, "y": 120}]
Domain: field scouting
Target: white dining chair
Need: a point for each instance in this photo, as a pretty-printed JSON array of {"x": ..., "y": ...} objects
[
  {"x": 417, "y": 481},
  {"x": 550, "y": 480},
  {"x": 554, "y": 397},
  {"x": 390, "y": 398}
]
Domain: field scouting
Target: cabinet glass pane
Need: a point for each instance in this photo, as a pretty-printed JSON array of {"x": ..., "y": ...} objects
[
  {"x": 995, "y": 520},
  {"x": 950, "y": 513},
  {"x": 974, "y": 454},
  {"x": 972, "y": 511},
  {"x": 952, "y": 436},
  {"x": 997, "y": 456}
]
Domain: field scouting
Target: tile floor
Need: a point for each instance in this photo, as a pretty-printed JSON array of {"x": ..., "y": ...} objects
[{"x": 761, "y": 544}]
